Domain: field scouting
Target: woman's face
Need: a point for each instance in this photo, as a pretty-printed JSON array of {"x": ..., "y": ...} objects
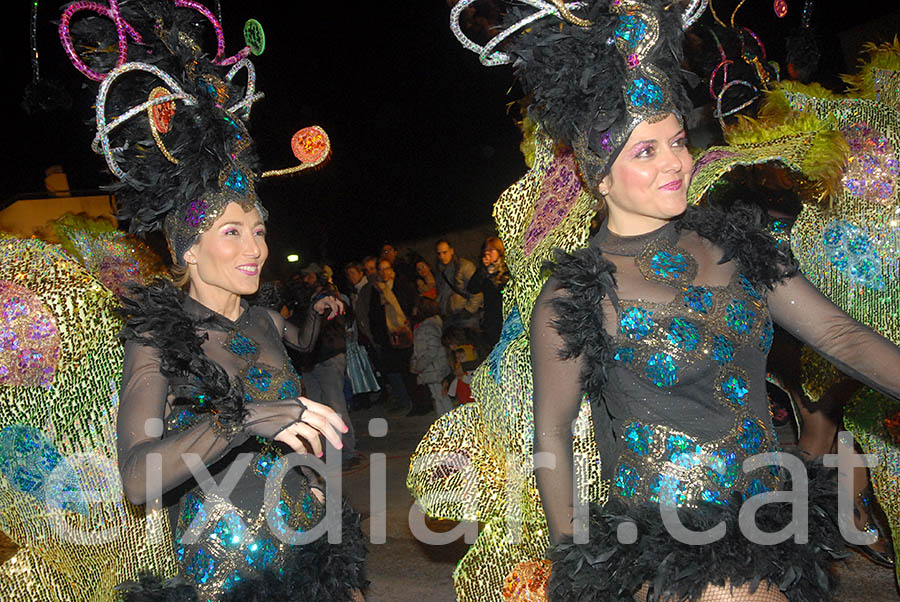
[
  {"x": 647, "y": 183},
  {"x": 490, "y": 256},
  {"x": 229, "y": 256},
  {"x": 422, "y": 269}
]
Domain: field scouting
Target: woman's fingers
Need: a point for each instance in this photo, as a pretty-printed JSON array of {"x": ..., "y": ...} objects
[
  {"x": 330, "y": 415},
  {"x": 301, "y": 438}
]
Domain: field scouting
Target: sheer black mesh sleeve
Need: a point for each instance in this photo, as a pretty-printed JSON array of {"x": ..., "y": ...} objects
[
  {"x": 855, "y": 349},
  {"x": 302, "y": 338},
  {"x": 141, "y": 432},
  {"x": 557, "y": 398}
]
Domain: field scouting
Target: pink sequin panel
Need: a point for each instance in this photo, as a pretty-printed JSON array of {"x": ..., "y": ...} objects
[
  {"x": 559, "y": 192},
  {"x": 29, "y": 339},
  {"x": 872, "y": 168}
]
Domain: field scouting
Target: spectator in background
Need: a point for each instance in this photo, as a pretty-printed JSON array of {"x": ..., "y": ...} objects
[
  {"x": 324, "y": 367},
  {"x": 425, "y": 282},
  {"x": 370, "y": 267},
  {"x": 489, "y": 280},
  {"x": 458, "y": 306},
  {"x": 429, "y": 357},
  {"x": 357, "y": 278},
  {"x": 391, "y": 302}
]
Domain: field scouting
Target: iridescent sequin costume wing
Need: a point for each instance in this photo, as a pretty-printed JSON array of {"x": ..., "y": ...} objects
[
  {"x": 61, "y": 500},
  {"x": 475, "y": 464}
]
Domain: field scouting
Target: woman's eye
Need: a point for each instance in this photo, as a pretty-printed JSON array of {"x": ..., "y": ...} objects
[
  {"x": 680, "y": 142},
  {"x": 647, "y": 151},
  {"x": 260, "y": 233},
  {"x": 231, "y": 232}
]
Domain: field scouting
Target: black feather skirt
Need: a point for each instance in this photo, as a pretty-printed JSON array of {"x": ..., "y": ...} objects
[
  {"x": 606, "y": 569},
  {"x": 313, "y": 572}
]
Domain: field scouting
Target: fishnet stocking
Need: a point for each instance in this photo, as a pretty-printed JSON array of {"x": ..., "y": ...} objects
[{"x": 765, "y": 592}]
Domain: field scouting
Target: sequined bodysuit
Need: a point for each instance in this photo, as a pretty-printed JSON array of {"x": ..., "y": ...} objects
[
  {"x": 685, "y": 402},
  {"x": 236, "y": 541}
]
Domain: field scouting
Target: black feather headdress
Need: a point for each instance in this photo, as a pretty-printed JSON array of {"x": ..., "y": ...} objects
[
  {"x": 177, "y": 139},
  {"x": 595, "y": 69}
]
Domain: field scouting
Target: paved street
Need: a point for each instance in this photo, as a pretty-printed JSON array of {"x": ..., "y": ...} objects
[{"x": 404, "y": 570}]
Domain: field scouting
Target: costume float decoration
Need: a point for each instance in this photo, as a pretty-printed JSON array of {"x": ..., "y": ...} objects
[
  {"x": 475, "y": 463},
  {"x": 170, "y": 126},
  {"x": 841, "y": 151}
]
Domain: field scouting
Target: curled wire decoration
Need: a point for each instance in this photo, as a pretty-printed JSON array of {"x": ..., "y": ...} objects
[
  {"x": 692, "y": 12},
  {"x": 311, "y": 146},
  {"x": 123, "y": 32},
  {"x": 251, "y": 95},
  {"x": 490, "y": 57},
  {"x": 721, "y": 115},
  {"x": 486, "y": 54},
  {"x": 101, "y": 144},
  {"x": 220, "y": 34},
  {"x": 566, "y": 14}
]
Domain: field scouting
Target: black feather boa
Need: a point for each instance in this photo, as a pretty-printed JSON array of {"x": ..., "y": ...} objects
[
  {"x": 605, "y": 569},
  {"x": 742, "y": 233},
  {"x": 588, "y": 278},
  {"x": 313, "y": 572},
  {"x": 154, "y": 316}
]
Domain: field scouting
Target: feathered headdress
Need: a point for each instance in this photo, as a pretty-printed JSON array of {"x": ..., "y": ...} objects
[
  {"x": 595, "y": 69},
  {"x": 178, "y": 141}
]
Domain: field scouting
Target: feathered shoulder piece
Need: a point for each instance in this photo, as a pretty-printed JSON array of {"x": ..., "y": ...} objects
[
  {"x": 587, "y": 278},
  {"x": 155, "y": 316},
  {"x": 742, "y": 233}
]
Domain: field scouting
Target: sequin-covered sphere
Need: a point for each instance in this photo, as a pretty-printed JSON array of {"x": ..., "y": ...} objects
[{"x": 29, "y": 340}]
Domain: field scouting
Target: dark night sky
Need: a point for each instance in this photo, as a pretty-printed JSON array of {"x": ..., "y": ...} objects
[{"x": 421, "y": 137}]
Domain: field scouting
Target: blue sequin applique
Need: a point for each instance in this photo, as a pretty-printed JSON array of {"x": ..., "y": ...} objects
[
  {"x": 723, "y": 349},
  {"x": 242, "y": 345},
  {"x": 698, "y": 299},
  {"x": 667, "y": 490},
  {"x": 627, "y": 479},
  {"x": 749, "y": 288},
  {"x": 636, "y": 323},
  {"x": 202, "y": 567},
  {"x": 668, "y": 265},
  {"x": 288, "y": 390},
  {"x": 624, "y": 355},
  {"x": 512, "y": 328},
  {"x": 260, "y": 554},
  {"x": 259, "y": 378},
  {"x": 662, "y": 370},
  {"x": 765, "y": 339},
  {"x": 637, "y": 438},
  {"x": 739, "y": 317},
  {"x": 631, "y": 30},
  {"x": 683, "y": 334},
  {"x": 735, "y": 389},
  {"x": 750, "y": 436}
]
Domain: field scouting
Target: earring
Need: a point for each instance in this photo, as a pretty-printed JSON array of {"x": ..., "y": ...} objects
[{"x": 603, "y": 193}]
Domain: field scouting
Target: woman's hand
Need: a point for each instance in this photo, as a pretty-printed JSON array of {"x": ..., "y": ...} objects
[
  {"x": 317, "y": 420},
  {"x": 333, "y": 305}
]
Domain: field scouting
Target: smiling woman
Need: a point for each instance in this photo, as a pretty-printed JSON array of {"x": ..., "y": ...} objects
[{"x": 207, "y": 386}]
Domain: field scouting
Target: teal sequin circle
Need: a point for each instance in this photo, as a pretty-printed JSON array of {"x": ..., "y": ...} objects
[
  {"x": 627, "y": 479},
  {"x": 636, "y": 323},
  {"x": 662, "y": 370},
  {"x": 683, "y": 334}
]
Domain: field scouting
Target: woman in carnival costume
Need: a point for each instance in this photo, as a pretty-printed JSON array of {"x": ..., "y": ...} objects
[
  {"x": 651, "y": 341},
  {"x": 207, "y": 387}
]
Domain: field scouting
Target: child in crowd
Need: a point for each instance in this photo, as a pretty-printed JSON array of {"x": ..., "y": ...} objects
[{"x": 429, "y": 358}]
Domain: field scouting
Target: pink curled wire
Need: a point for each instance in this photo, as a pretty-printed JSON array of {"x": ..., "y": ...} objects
[
  {"x": 123, "y": 30},
  {"x": 220, "y": 35}
]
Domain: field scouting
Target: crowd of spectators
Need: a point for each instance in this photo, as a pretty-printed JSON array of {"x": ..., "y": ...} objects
[{"x": 412, "y": 335}]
